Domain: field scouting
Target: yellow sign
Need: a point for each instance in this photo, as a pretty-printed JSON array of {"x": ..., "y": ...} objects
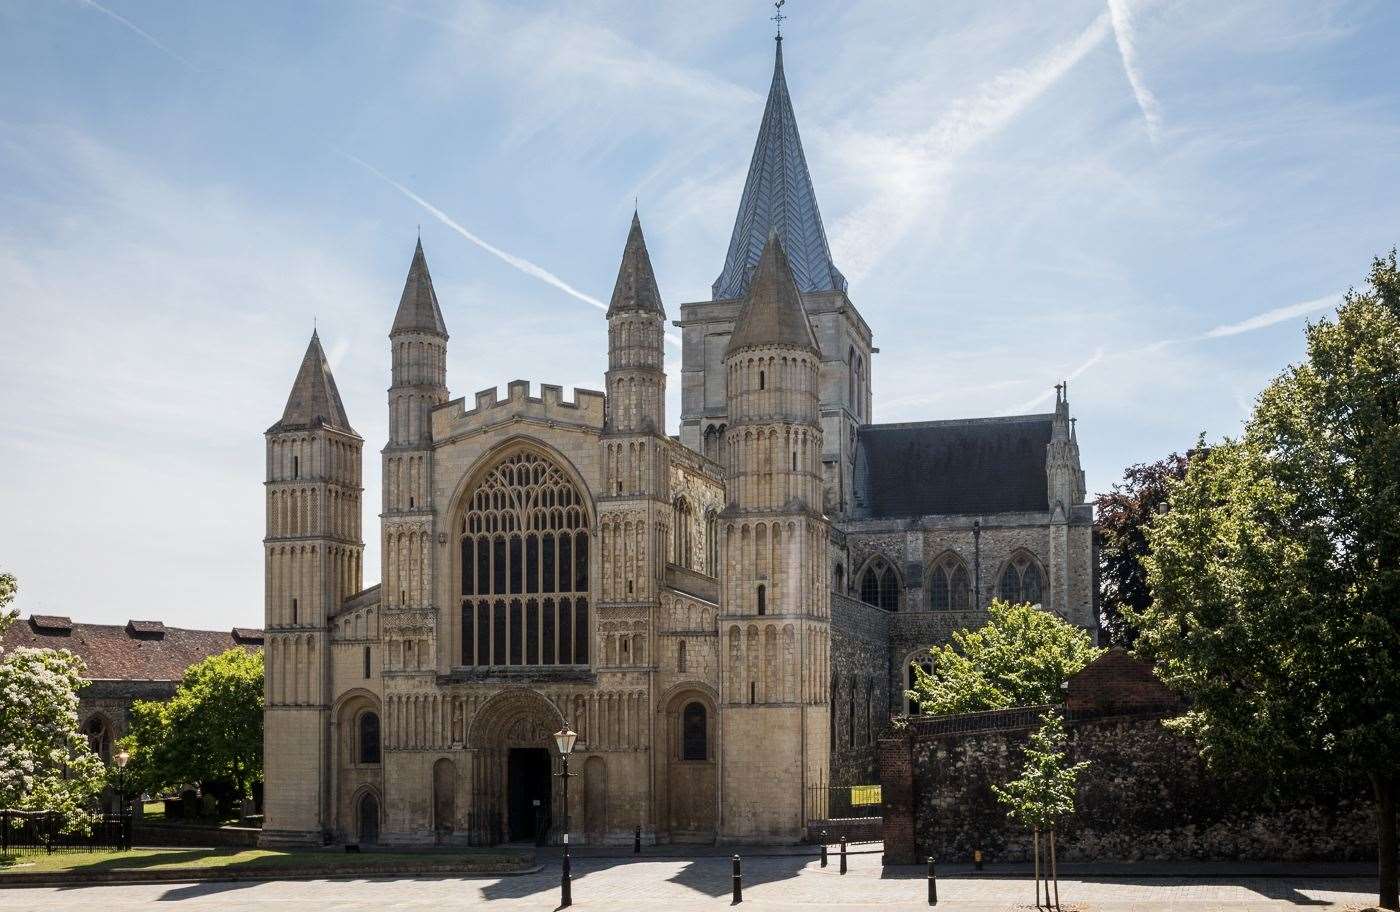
[{"x": 865, "y": 794}]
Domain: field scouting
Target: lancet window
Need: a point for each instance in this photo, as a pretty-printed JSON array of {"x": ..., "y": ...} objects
[{"x": 1021, "y": 580}]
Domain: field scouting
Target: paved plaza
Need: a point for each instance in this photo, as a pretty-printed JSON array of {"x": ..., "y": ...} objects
[{"x": 770, "y": 883}]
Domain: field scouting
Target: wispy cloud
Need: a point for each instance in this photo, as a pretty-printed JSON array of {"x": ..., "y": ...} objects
[
  {"x": 915, "y": 174},
  {"x": 132, "y": 26},
  {"x": 1125, "y": 34},
  {"x": 1277, "y": 315},
  {"x": 1259, "y": 321},
  {"x": 516, "y": 262}
]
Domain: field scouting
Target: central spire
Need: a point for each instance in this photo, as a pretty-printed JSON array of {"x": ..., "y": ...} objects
[{"x": 778, "y": 197}]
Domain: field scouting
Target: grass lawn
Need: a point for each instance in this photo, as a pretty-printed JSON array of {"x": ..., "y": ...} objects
[{"x": 243, "y": 860}]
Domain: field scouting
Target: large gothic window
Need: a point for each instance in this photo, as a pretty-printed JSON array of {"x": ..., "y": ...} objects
[
  {"x": 948, "y": 586},
  {"x": 524, "y": 567},
  {"x": 99, "y": 738},
  {"x": 879, "y": 586},
  {"x": 1021, "y": 580}
]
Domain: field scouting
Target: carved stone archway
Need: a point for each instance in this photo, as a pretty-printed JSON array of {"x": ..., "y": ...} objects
[{"x": 513, "y": 720}]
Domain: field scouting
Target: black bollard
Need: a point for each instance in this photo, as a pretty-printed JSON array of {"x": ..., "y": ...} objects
[
  {"x": 823, "y": 850},
  {"x": 738, "y": 882},
  {"x": 932, "y": 884},
  {"x": 843, "y": 854},
  {"x": 637, "y": 842}
]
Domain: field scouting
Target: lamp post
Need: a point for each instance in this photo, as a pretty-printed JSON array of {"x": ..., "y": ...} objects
[
  {"x": 120, "y": 760},
  {"x": 565, "y": 740}
]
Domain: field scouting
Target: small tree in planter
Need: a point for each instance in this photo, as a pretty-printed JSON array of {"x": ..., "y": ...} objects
[{"x": 1043, "y": 795}]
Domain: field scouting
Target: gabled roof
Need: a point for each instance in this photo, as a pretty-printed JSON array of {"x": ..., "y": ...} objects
[
  {"x": 128, "y": 652},
  {"x": 418, "y": 306},
  {"x": 773, "y": 312},
  {"x": 778, "y": 196},
  {"x": 981, "y": 465},
  {"x": 314, "y": 400},
  {"x": 636, "y": 282}
]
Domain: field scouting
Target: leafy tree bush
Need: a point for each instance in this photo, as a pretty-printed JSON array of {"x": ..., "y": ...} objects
[
  {"x": 1020, "y": 657},
  {"x": 1276, "y": 573},
  {"x": 212, "y": 729}
]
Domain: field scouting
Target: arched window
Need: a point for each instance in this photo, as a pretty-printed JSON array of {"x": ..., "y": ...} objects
[
  {"x": 369, "y": 737},
  {"x": 948, "y": 587},
  {"x": 838, "y": 579},
  {"x": 1021, "y": 580},
  {"x": 680, "y": 657},
  {"x": 524, "y": 533},
  {"x": 712, "y": 543},
  {"x": 99, "y": 738},
  {"x": 925, "y": 662},
  {"x": 681, "y": 524},
  {"x": 879, "y": 586},
  {"x": 695, "y": 735},
  {"x": 762, "y": 599}
]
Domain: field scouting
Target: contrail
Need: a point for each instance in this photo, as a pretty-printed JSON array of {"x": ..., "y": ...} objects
[
  {"x": 520, "y": 263},
  {"x": 1259, "y": 321},
  {"x": 1277, "y": 315},
  {"x": 138, "y": 30},
  {"x": 1073, "y": 375},
  {"x": 1127, "y": 49}
]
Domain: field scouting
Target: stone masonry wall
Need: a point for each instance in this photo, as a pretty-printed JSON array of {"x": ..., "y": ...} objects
[
  {"x": 1145, "y": 796},
  {"x": 860, "y": 672}
]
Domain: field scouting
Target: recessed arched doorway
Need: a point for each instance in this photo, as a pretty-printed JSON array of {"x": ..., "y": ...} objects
[
  {"x": 688, "y": 724},
  {"x": 368, "y": 819},
  {"x": 513, "y": 786}
]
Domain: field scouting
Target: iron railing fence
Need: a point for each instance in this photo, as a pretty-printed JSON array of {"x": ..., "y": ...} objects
[{"x": 21, "y": 830}]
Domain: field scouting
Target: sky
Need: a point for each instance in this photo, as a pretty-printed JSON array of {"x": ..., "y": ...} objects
[{"x": 1148, "y": 198}]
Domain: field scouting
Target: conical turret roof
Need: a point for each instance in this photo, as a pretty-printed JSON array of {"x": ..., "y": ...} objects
[
  {"x": 418, "y": 307},
  {"x": 778, "y": 196},
  {"x": 636, "y": 282},
  {"x": 773, "y": 313},
  {"x": 314, "y": 400}
]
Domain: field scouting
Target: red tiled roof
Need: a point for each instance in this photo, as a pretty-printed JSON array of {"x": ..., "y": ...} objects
[{"x": 136, "y": 651}]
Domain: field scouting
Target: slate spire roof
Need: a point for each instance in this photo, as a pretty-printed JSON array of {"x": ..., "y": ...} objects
[
  {"x": 778, "y": 196},
  {"x": 418, "y": 307},
  {"x": 314, "y": 400},
  {"x": 636, "y": 289},
  {"x": 773, "y": 313}
]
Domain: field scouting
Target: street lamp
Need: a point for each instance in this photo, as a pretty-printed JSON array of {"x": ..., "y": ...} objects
[
  {"x": 120, "y": 760},
  {"x": 565, "y": 739}
]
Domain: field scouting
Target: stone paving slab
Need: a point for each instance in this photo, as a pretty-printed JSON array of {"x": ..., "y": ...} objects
[{"x": 772, "y": 884}]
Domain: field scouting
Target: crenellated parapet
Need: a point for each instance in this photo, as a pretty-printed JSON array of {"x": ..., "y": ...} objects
[{"x": 549, "y": 408}]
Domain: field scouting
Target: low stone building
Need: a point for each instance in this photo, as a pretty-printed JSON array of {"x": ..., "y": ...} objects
[
  {"x": 1146, "y": 794},
  {"x": 140, "y": 660}
]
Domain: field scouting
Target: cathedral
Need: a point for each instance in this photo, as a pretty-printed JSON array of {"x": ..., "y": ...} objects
[{"x": 726, "y": 618}]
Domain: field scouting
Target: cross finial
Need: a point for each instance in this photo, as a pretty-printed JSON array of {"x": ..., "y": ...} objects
[{"x": 778, "y": 16}]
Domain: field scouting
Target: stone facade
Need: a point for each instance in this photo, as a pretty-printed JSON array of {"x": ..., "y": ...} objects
[
  {"x": 695, "y": 608},
  {"x": 1146, "y": 795}
]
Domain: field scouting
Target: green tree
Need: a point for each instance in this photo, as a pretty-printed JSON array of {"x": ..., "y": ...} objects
[
  {"x": 45, "y": 762},
  {"x": 1276, "y": 573},
  {"x": 8, "y": 588},
  {"x": 1121, "y": 519},
  {"x": 1020, "y": 657},
  {"x": 1044, "y": 793},
  {"x": 211, "y": 730}
]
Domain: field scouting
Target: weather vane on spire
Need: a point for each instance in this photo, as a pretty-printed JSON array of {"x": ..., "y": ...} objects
[{"x": 778, "y": 16}]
